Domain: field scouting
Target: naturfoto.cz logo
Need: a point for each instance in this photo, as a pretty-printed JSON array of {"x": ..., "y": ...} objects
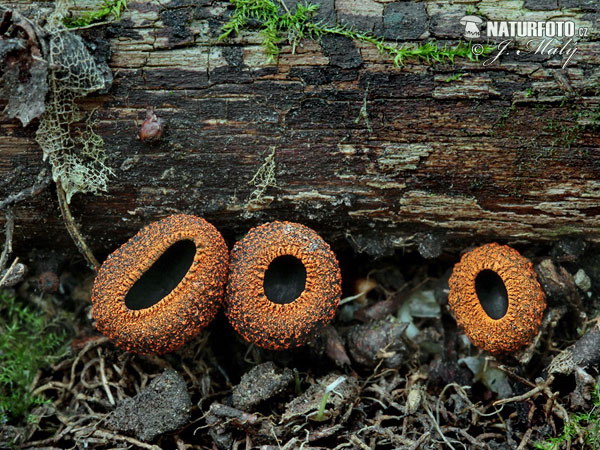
[{"x": 555, "y": 37}]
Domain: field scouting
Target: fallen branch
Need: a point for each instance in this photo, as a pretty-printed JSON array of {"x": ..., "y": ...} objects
[
  {"x": 542, "y": 387},
  {"x": 584, "y": 353}
]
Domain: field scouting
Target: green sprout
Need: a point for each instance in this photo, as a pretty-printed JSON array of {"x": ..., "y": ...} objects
[
  {"x": 109, "y": 9},
  {"x": 320, "y": 416}
]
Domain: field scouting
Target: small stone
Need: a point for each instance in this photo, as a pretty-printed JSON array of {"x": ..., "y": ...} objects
[
  {"x": 430, "y": 245},
  {"x": 405, "y": 20},
  {"x": 582, "y": 280},
  {"x": 413, "y": 400},
  {"x": 164, "y": 405},
  {"x": 370, "y": 343},
  {"x": 260, "y": 383}
]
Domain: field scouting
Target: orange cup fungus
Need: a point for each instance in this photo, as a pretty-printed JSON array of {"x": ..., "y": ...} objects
[
  {"x": 284, "y": 285},
  {"x": 160, "y": 288},
  {"x": 496, "y": 298}
]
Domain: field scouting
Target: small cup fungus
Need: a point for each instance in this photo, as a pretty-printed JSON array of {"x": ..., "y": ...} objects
[
  {"x": 496, "y": 298},
  {"x": 284, "y": 285},
  {"x": 160, "y": 288}
]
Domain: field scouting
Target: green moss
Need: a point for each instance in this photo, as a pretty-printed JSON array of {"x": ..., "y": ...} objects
[
  {"x": 565, "y": 230},
  {"x": 567, "y": 133},
  {"x": 110, "y": 9},
  {"x": 503, "y": 118},
  {"x": 26, "y": 345},
  {"x": 590, "y": 118},
  {"x": 455, "y": 77},
  {"x": 278, "y": 28},
  {"x": 585, "y": 427}
]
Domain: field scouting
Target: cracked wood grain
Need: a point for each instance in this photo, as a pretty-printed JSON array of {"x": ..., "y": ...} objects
[{"x": 508, "y": 151}]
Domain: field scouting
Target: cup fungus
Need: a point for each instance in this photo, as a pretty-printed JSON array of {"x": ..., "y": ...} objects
[
  {"x": 160, "y": 288},
  {"x": 496, "y": 298},
  {"x": 284, "y": 285}
]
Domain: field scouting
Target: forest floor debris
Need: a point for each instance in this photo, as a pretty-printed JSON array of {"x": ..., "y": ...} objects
[{"x": 364, "y": 383}]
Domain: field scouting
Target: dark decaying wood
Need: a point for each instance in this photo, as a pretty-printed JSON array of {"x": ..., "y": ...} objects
[{"x": 364, "y": 152}]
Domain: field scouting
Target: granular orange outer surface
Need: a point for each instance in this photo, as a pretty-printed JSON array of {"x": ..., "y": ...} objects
[
  {"x": 180, "y": 315},
  {"x": 280, "y": 326},
  {"x": 526, "y": 299}
]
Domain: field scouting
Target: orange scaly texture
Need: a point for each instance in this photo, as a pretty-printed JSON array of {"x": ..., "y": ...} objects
[
  {"x": 179, "y": 316},
  {"x": 280, "y": 326},
  {"x": 526, "y": 299}
]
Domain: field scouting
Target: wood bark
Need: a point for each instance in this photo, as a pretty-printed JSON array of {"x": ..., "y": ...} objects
[{"x": 377, "y": 156}]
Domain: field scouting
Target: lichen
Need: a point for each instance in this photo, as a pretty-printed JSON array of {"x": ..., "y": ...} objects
[
  {"x": 262, "y": 180},
  {"x": 75, "y": 152}
]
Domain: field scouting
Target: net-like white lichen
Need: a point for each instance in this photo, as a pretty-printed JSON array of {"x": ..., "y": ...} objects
[
  {"x": 263, "y": 179},
  {"x": 67, "y": 138}
]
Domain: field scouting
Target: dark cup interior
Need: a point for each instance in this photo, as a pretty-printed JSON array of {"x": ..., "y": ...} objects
[
  {"x": 492, "y": 294},
  {"x": 162, "y": 277},
  {"x": 285, "y": 279}
]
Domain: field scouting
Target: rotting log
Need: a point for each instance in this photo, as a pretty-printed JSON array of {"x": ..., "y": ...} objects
[{"x": 365, "y": 152}]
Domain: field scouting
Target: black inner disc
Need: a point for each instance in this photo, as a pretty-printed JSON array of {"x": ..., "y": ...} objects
[
  {"x": 284, "y": 279},
  {"x": 492, "y": 293},
  {"x": 162, "y": 277}
]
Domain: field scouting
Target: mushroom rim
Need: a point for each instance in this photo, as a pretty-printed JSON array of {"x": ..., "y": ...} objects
[
  {"x": 264, "y": 256},
  {"x": 315, "y": 307},
  {"x": 195, "y": 229},
  {"x": 191, "y": 304},
  {"x": 509, "y": 284},
  {"x": 526, "y": 300}
]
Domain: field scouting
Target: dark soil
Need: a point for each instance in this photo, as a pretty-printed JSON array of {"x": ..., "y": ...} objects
[{"x": 393, "y": 371}]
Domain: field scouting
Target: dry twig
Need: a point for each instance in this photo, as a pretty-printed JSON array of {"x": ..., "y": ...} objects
[{"x": 73, "y": 229}]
